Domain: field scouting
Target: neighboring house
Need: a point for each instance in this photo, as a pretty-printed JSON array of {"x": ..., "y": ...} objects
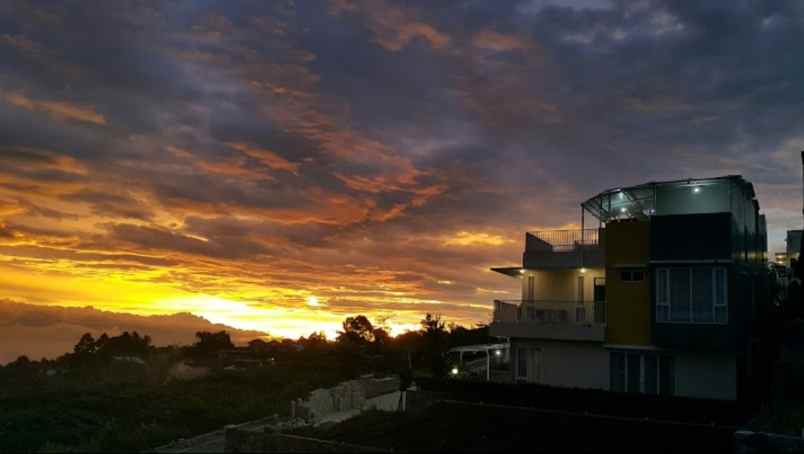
[
  {"x": 659, "y": 299},
  {"x": 793, "y": 249}
]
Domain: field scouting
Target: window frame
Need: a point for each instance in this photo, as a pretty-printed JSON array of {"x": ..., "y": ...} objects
[
  {"x": 631, "y": 274},
  {"x": 662, "y": 298},
  {"x": 663, "y": 363},
  {"x": 521, "y": 355}
]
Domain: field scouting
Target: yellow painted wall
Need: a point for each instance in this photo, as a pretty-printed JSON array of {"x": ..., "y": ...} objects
[
  {"x": 628, "y": 303},
  {"x": 560, "y": 285}
]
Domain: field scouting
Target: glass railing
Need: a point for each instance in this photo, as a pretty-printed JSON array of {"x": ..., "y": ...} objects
[{"x": 550, "y": 311}]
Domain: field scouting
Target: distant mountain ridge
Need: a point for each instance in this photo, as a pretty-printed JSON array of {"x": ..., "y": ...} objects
[{"x": 50, "y": 331}]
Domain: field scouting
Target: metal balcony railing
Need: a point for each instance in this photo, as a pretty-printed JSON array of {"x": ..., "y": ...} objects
[
  {"x": 565, "y": 240},
  {"x": 550, "y": 311}
]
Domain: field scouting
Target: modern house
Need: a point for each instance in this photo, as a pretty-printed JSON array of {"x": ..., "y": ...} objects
[
  {"x": 658, "y": 299},
  {"x": 793, "y": 241}
]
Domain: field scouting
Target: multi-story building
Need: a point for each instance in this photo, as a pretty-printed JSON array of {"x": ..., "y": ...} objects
[
  {"x": 658, "y": 299},
  {"x": 793, "y": 248}
]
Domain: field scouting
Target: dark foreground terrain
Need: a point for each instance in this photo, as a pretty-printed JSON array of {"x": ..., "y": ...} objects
[{"x": 452, "y": 427}]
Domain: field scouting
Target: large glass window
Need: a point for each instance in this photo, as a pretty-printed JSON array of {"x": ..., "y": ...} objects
[
  {"x": 721, "y": 287},
  {"x": 639, "y": 371},
  {"x": 651, "y": 373},
  {"x": 662, "y": 295},
  {"x": 692, "y": 294},
  {"x": 617, "y": 371},
  {"x": 680, "y": 294},
  {"x": 667, "y": 379},
  {"x": 634, "y": 372},
  {"x": 702, "y": 297},
  {"x": 522, "y": 363}
]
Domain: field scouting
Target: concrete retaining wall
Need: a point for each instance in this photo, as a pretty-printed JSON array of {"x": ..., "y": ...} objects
[{"x": 352, "y": 396}]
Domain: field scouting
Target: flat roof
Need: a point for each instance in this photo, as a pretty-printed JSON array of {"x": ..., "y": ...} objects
[
  {"x": 513, "y": 271},
  {"x": 479, "y": 348}
]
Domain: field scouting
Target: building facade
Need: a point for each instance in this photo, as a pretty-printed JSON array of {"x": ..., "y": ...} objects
[{"x": 658, "y": 299}]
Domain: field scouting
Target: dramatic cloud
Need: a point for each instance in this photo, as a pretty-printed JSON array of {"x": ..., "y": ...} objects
[{"x": 240, "y": 159}]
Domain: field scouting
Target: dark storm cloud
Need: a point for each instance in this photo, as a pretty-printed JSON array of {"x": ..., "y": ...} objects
[{"x": 399, "y": 147}]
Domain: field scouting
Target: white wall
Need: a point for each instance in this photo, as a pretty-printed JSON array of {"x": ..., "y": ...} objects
[
  {"x": 572, "y": 364},
  {"x": 707, "y": 376}
]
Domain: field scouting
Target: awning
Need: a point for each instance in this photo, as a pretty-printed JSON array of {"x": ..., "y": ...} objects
[{"x": 513, "y": 271}]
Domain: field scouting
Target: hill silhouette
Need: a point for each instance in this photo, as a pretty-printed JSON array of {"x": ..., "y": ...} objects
[{"x": 49, "y": 331}]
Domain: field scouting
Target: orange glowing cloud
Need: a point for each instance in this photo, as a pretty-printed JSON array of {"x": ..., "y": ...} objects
[
  {"x": 394, "y": 27},
  {"x": 499, "y": 42},
  {"x": 465, "y": 238},
  {"x": 59, "y": 109},
  {"x": 266, "y": 157}
]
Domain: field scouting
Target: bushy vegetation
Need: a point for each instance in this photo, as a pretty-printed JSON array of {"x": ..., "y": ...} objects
[{"x": 121, "y": 393}]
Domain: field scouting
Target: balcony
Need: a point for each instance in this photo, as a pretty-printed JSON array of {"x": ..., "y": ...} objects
[
  {"x": 545, "y": 249},
  {"x": 553, "y": 320}
]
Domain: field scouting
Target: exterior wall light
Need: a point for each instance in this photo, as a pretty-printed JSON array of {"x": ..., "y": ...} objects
[
  {"x": 696, "y": 189},
  {"x": 497, "y": 353},
  {"x": 521, "y": 271},
  {"x": 583, "y": 270},
  {"x": 454, "y": 371},
  {"x": 623, "y": 210}
]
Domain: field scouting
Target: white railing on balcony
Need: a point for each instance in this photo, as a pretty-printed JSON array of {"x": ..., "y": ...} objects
[{"x": 550, "y": 311}]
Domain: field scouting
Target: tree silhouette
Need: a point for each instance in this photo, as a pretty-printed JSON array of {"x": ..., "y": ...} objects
[
  {"x": 210, "y": 343},
  {"x": 356, "y": 330},
  {"x": 85, "y": 346},
  {"x": 435, "y": 336}
]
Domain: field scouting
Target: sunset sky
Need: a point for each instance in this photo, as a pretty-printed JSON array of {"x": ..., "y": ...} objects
[{"x": 278, "y": 165}]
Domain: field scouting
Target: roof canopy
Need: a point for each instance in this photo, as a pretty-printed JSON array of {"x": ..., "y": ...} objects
[{"x": 669, "y": 197}]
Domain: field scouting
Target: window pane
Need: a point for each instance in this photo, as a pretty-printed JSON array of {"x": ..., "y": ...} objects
[
  {"x": 661, "y": 286},
  {"x": 666, "y": 376},
  {"x": 662, "y": 313},
  {"x": 522, "y": 362},
  {"x": 721, "y": 314},
  {"x": 633, "y": 372},
  {"x": 617, "y": 371},
  {"x": 702, "y": 310},
  {"x": 720, "y": 286},
  {"x": 680, "y": 294},
  {"x": 639, "y": 275},
  {"x": 651, "y": 371}
]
